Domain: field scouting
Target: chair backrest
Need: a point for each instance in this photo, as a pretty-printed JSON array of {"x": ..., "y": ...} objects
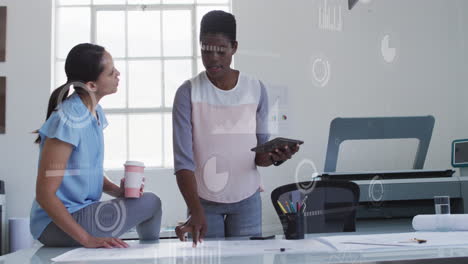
[
  {"x": 330, "y": 205},
  {"x": 361, "y": 128}
]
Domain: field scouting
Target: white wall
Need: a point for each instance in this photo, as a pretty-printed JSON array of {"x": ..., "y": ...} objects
[
  {"x": 279, "y": 39},
  {"x": 27, "y": 68}
]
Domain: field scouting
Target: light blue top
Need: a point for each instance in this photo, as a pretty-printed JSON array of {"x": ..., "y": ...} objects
[{"x": 83, "y": 179}]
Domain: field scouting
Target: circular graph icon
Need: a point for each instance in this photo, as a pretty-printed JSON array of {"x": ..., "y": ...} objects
[
  {"x": 216, "y": 173},
  {"x": 376, "y": 191},
  {"x": 110, "y": 216},
  {"x": 321, "y": 71},
  {"x": 68, "y": 114},
  {"x": 306, "y": 185}
]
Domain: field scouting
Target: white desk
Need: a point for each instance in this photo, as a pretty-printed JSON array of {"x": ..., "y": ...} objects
[{"x": 42, "y": 255}]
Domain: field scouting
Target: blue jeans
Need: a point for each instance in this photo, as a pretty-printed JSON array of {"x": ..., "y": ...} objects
[{"x": 243, "y": 218}]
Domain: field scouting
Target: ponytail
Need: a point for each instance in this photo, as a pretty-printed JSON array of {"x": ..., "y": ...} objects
[{"x": 58, "y": 95}]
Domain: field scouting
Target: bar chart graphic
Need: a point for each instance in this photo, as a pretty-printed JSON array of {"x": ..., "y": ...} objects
[{"x": 330, "y": 17}]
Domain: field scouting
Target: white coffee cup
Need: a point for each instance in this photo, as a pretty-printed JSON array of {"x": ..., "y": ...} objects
[{"x": 134, "y": 174}]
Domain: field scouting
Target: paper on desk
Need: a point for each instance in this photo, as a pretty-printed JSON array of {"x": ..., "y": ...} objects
[
  {"x": 399, "y": 241},
  {"x": 209, "y": 249},
  {"x": 135, "y": 251}
]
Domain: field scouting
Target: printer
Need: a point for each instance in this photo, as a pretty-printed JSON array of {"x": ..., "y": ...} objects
[{"x": 395, "y": 194}]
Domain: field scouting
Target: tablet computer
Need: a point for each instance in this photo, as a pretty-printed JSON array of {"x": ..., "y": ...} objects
[{"x": 277, "y": 143}]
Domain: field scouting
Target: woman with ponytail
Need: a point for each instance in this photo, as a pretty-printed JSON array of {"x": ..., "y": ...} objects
[{"x": 66, "y": 210}]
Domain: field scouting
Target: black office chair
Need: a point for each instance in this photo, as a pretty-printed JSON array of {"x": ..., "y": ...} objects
[{"x": 330, "y": 205}]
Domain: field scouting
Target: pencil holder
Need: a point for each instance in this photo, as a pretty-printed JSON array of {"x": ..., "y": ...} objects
[{"x": 293, "y": 225}]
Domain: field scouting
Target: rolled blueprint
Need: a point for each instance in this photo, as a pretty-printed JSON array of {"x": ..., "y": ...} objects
[{"x": 441, "y": 222}]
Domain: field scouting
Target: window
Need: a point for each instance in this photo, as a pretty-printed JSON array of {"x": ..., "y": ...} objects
[{"x": 155, "y": 47}]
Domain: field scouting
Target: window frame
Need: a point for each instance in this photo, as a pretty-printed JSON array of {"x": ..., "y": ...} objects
[{"x": 127, "y": 111}]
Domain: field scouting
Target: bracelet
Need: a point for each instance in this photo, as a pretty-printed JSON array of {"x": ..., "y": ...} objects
[{"x": 276, "y": 163}]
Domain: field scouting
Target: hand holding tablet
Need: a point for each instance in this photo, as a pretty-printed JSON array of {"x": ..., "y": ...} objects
[
  {"x": 277, "y": 143},
  {"x": 279, "y": 149}
]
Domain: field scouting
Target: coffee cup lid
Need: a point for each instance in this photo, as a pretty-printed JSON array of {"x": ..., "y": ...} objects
[{"x": 134, "y": 163}]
